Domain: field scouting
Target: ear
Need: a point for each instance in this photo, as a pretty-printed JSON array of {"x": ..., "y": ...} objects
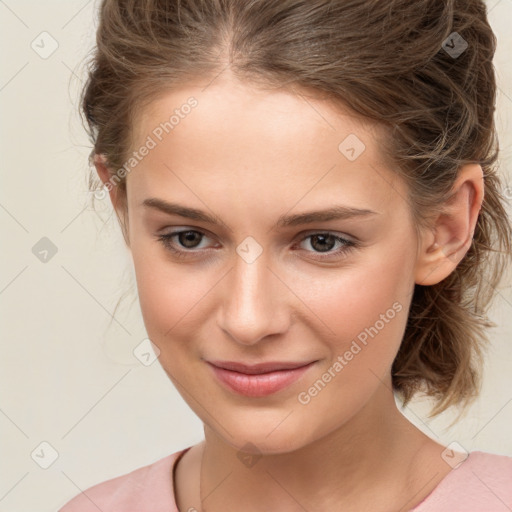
[
  {"x": 444, "y": 245},
  {"x": 118, "y": 199}
]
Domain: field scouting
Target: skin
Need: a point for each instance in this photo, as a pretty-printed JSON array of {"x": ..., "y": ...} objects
[{"x": 248, "y": 156}]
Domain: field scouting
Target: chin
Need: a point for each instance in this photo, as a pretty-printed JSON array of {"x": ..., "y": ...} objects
[{"x": 271, "y": 437}]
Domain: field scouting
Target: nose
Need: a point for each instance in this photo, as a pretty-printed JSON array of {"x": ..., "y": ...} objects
[{"x": 254, "y": 302}]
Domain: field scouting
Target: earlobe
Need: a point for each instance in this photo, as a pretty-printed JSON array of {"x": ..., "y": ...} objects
[{"x": 451, "y": 236}]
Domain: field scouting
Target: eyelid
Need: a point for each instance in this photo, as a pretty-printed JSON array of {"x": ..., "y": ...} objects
[
  {"x": 345, "y": 236},
  {"x": 347, "y": 244},
  {"x": 180, "y": 229}
]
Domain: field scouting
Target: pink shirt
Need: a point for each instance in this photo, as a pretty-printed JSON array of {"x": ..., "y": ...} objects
[{"x": 482, "y": 483}]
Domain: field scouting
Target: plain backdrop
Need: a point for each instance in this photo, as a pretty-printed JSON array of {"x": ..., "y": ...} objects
[{"x": 73, "y": 396}]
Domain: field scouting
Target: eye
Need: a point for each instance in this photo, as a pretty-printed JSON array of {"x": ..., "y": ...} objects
[
  {"x": 324, "y": 243},
  {"x": 187, "y": 239},
  {"x": 188, "y": 242}
]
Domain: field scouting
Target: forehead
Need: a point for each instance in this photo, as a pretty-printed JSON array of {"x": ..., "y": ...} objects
[
  {"x": 234, "y": 135},
  {"x": 275, "y": 115}
]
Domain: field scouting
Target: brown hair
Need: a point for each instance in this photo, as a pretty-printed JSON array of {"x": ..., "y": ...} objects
[{"x": 389, "y": 62}]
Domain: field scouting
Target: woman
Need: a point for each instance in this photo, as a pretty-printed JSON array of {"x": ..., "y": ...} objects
[{"x": 309, "y": 194}]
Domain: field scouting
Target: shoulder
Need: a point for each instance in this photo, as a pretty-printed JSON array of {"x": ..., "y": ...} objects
[
  {"x": 150, "y": 485},
  {"x": 482, "y": 483},
  {"x": 488, "y": 471},
  {"x": 491, "y": 463}
]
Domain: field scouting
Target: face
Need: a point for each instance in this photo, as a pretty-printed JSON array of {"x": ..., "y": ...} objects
[{"x": 253, "y": 280}]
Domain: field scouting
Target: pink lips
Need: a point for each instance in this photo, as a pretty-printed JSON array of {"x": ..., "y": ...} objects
[{"x": 258, "y": 380}]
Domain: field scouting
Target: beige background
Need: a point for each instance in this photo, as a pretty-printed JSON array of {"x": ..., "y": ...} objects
[{"x": 67, "y": 377}]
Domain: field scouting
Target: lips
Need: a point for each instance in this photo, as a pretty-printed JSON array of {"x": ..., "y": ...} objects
[
  {"x": 260, "y": 379},
  {"x": 259, "y": 368}
]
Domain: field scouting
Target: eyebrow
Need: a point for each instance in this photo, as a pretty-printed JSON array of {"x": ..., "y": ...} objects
[{"x": 334, "y": 213}]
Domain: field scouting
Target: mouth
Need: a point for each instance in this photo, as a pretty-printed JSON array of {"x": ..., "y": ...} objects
[{"x": 258, "y": 380}]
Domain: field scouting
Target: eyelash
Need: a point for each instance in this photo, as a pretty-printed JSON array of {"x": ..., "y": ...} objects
[{"x": 165, "y": 240}]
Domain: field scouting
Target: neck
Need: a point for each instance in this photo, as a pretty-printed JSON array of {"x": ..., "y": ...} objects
[{"x": 378, "y": 457}]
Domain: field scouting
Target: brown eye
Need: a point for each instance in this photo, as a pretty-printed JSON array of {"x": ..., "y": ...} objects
[
  {"x": 324, "y": 243},
  {"x": 186, "y": 243},
  {"x": 182, "y": 242},
  {"x": 189, "y": 239}
]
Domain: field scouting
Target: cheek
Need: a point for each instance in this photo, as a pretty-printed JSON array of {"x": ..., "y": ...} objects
[
  {"x": 353, "y": 300},
  {"x": 162, "y": 292},
  {"x": 167, "y": 297},
  {"x": 173, "y": 297},
  {"x": 367, "y": 309}
]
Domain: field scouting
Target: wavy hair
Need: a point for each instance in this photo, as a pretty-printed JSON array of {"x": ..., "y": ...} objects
[{"x": 389, "y": 62}]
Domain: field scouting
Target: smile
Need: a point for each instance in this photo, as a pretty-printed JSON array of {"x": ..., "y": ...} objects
[{"x": 256, "y": 382}]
